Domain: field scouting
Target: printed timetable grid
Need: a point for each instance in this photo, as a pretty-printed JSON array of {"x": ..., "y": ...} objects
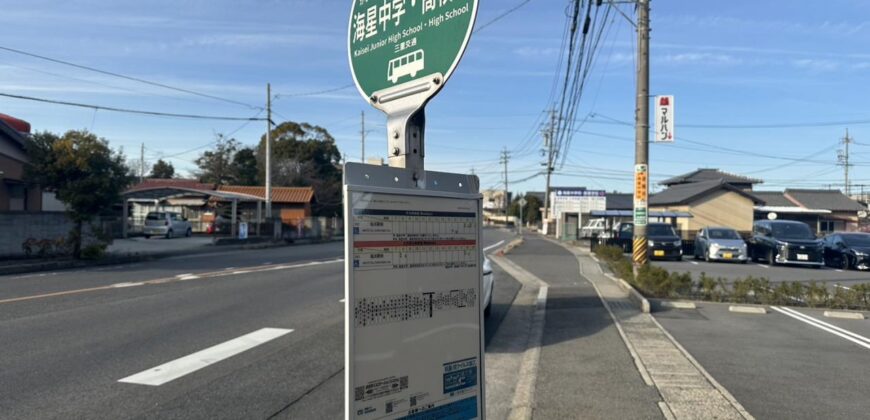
[{"x": 391, "y": 239}]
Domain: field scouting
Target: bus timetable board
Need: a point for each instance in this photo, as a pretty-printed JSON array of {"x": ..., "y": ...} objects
[{"x": 413, "y": 307}]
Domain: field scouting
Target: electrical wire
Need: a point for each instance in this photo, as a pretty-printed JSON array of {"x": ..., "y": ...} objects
[
  {"x": 131, "y": 78},
  {"x": 130, "y": 111}
]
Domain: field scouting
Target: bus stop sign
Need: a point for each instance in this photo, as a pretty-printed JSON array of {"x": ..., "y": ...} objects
[{"x": 394, "y": 43}]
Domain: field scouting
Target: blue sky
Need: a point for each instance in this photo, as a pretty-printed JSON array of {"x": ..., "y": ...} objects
[{"x": 728, "y": 63}]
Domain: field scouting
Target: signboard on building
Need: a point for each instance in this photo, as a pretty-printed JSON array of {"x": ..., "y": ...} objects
[
  {"x": 414, "y": 299},
  {"x": 396, "y": 42},
  {"x": 664, "y": 106},
  {"x": 641, "y": 194}
]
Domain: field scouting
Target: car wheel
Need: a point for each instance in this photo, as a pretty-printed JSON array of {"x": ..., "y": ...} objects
[
  {"x": 680, "y": 258},
  {"x": 707, "y": 255},
  {"x": 169, "y": 234},
  {"x": 147, "y": 236},
  {"x": 188, "y": 233},
  {"x": 846, "y": 263}
]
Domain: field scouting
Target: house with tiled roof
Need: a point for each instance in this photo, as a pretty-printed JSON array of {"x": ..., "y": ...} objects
[
  {"x": 712, "y": 174},
  {"x": 711, "y": 203},
  {"x": 823, "y": 210}
]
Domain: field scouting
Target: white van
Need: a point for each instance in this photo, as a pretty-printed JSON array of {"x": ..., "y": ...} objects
[{"x": 593, "y": 227}]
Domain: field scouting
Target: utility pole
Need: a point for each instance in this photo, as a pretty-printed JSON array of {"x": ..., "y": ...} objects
[
  {"x": 549, "y": 139},
  {"x": 641, "y": 152},
  {"x": 844, "y": 162},
  {"x": 142, "y": 164},
  {"x": 505, "y": 156},
  {"x": 268, "y": 150},
  {"x": 362, "y": 133}
]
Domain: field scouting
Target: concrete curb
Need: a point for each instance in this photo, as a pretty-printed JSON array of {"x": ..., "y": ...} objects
[
  {"x": 757, "y": 310},
  {"x": 509, "y": 247},
  {"x": 134, "y": 258},
  {"x": 844, "y": 315},
  {"x": 678, "y": 304},
  {"x": 633, "y": 294}
]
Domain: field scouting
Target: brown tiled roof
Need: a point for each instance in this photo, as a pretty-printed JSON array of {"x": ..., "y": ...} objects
[
  {"x": 297, "y": 195},
  {"x": 151, "y": 183},
  {"x": 710, "y": 174}
]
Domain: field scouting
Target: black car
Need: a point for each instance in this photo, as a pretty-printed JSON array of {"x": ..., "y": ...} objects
[
  {"x": 785, "y": 242},
  {"x": 663, "y": 242},
  {"x": 848, "y": 250}
]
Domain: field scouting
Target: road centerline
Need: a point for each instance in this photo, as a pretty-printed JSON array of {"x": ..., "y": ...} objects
[{"x": 177, "y": 368}]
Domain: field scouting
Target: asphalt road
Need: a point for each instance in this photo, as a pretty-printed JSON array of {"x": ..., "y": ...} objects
[
  {"x": 70, "y": 336},
  {"x": 780, "y": 365},
  {"x": 777, "y": 273}
]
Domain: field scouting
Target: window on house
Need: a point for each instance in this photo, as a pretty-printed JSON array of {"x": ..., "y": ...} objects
[
  {"x": 17, "y": 197},
  {"x": 827, "y": 226}
]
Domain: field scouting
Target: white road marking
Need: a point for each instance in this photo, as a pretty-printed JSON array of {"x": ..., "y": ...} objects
[
  {"x": 229, "y": 268},
  {"x": 843, "y": 287},
  {"x": 188, "y": 364},
  {"x": 493, "y": 245},
  {"x": 341, "y": 300},
  {"x": 128, "y": 284},
  {"x": 183, "y": 275},
  {"x": 694, "y": 262},
  {"x": 762, "y": 265},
  {"x": 190, "y": 277},
  {"x": 838, "y": 270},
  {"x": 848, "y": 335},
  {"x": 241, "y": 272}
]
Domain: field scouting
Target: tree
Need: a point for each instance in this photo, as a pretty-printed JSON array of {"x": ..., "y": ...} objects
[
  {"x": 85, "y": 173},
  {"x": 305, "y": 155},
  {"x": 244, "y": 167},
  {"x": 162, "y": 169},
  {"x": 531, "y": 211},
  {"x": 215, "y": 166}
]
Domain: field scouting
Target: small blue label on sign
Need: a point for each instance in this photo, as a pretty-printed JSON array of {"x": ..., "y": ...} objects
[
  {"x": 460, "y": 375},
  {"x": 459, "y": 410}
]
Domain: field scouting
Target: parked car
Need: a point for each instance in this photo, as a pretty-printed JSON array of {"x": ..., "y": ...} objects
[
  {"x": 488, "y": 283},
  {"x": 168, "y": 224},
  {"x": 848, "y": 250},
  {"x": 593, "y": 227},
  {"x": 663, "y": 242},
  {"x": 720, "y": 244},
  {"x": 785, "y": 242},
  {"x": 623, "y": 236}
]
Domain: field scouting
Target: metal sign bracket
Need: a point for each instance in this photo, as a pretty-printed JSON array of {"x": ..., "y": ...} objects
[{"x": 406, "y": 122}]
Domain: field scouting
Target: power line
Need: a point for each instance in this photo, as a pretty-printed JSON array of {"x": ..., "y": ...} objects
[
  {"x": 135, "y": 79},
  {"x": 130, "y": 111},
  {"x": 501, "y": 16},
  {"x": 313, "y": 93}
]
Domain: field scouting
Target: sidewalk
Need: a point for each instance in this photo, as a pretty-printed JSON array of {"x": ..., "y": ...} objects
[{"x": 583, "y": 369}]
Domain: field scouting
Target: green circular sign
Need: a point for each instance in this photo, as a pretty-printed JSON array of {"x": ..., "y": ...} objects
[{"x": 392, "y": 42}]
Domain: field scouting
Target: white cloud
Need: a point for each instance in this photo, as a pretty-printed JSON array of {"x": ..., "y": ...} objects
[
  {"x": 532, "y": 52},
  {"x": 704, "y": 58},
  {"x": 816, "y": 65}
]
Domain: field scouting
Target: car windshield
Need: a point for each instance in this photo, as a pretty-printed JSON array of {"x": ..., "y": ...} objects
[
  {"x": 723, "y": 234},
  {"x": 857, "y": 240},
  {"x": 660, "y": 230},
  {"x": 155, "y": 216},
  {"x": 792, "y": 231}
]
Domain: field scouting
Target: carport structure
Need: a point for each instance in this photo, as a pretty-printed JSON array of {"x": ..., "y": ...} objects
[{"x": 158, "y": 193}]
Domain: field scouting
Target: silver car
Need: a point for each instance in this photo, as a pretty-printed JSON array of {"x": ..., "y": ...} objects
[
  {"x": 720, "y": 244},
  {"x": 165, "y": 223},
  {"x": 488, "y": 281}
]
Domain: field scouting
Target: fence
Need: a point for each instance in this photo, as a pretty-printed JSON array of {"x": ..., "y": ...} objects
[{"x": 40, "y": 233}]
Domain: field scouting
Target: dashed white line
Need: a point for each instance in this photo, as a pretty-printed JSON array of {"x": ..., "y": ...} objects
[
  {"x": 128, "y": 284},
  {"x": 763, "y": 266},
  {"x": 838, "y": 270},
  {"x": 493, "y": 245},
  {"x": 846, "y": 334},
  {"x": 843, "y": 287},
  {"x": 188, "y": 364},
  {"x": 694, "y": 262},
  {"x": 342, "y": 300}
]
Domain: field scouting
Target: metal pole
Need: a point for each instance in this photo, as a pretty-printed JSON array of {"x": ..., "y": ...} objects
[
  {"x": 233, "y": 219},
  {"x": 142, "y": 164},
  {"x": 363, "y": 137},
  {"x": 520, "y": 225},
  {"x": 847, "y": 140},
  {"x": 548, "y": 140},
  {"x": 268, "y": 150},
  {"x": 507, "y": 201},
  {"x": 641, "y": 155}
]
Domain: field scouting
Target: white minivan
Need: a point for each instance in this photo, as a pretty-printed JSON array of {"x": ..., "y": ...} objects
[{"x": 165, "y": 223}]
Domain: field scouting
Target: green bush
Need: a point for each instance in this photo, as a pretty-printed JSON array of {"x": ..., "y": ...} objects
[{"x": 94, "y": 251}]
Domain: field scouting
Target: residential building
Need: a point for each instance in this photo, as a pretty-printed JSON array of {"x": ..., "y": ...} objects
[
  {"x": 712, "y": 174},
  {"x": 16, "y": 194},
  {"x": 710, "y": 203},
  {"x": 823, "y": 210}
]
